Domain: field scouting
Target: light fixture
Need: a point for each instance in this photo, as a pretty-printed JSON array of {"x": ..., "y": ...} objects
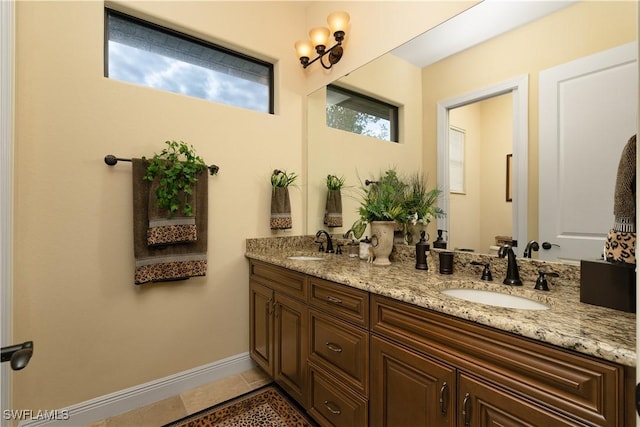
[{"x": 338, "y": 22}]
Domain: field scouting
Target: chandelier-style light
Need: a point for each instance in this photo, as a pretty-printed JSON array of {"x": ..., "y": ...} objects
[{"x": 338, "y": 22}]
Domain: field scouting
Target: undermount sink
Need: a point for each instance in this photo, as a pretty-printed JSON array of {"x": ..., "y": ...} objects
[
  {"x": 496, "y": 299},
  {"x": 305, "y": 258}
]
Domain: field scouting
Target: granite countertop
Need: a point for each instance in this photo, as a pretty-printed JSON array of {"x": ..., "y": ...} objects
[{"x": 597, "y": 331}]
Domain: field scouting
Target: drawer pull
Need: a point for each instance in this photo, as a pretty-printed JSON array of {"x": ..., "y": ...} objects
[
  {"x": 333, "y": 347},
  {"x": 444, "y": 397},
  {"x": 332, "y": 407},
  {"x": 466, "y": 410},
  {"x": 334, "y": 300}
]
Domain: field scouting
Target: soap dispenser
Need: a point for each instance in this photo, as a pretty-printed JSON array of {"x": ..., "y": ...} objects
[
  {"x": 440, "y": 243},
  {"x": 365, "y": 244},
  {"x": 422, "y": 251}
]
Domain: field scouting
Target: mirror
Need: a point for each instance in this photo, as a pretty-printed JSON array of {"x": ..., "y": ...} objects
[{"x": 357, "y": 157}]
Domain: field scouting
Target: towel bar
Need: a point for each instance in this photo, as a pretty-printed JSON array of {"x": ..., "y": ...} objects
[{"x": 112, "y": 160}]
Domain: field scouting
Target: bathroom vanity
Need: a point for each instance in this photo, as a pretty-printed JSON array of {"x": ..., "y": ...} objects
[{"x": 360, "y": 345}]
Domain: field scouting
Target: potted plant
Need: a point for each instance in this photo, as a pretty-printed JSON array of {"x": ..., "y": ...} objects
[
  {"x": 177, "y": 167},
  {"x": 382, "y": 206},
  {"x": 280, "y": 204},
  {"x": 420, "y": 204}
]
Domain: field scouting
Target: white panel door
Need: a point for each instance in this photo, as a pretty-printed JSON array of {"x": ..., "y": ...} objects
[{"x": 588, "y": 111}]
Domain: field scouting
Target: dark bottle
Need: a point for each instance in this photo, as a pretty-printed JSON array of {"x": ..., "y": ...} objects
[
  {"x": 422, "y": 250},
  {"x": 440, "y": 243}
]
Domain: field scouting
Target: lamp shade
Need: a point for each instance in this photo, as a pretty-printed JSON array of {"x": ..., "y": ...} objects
[
  {"x": 319, "y": 36},
  {"x": 338, "y": 21},
  {"x": 304, "y": 48}
]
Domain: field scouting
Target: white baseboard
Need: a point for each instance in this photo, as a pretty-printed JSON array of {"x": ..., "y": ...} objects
[{"x": 126, "y": 400}]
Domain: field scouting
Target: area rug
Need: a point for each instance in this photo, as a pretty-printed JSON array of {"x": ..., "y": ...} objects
[{"x": 266, "y": 406}]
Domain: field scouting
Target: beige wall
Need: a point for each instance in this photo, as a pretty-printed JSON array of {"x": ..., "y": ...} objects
[
  {"x": 359, "y": 157},
  {"x": 579, "y": 30},
  {"x": 94, "y": 331},
  {"x": 482, "y": 212}
]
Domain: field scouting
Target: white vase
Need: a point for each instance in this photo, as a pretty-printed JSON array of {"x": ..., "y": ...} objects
[{"x": 382, "y": 241}]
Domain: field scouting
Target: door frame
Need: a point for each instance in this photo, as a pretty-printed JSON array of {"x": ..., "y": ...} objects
[
  {"x": 519, "y": 89},
  {"x": 7, "y": 55}
]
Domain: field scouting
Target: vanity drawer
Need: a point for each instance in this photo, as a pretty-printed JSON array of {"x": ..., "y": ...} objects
[
  {"x": 341, "y": 301},
  {"x": 279, "y": 279},
  {"x": 340, "y": 348},
  {"x": 331, "y": 404},
  {"x": 576, "y": 385}
]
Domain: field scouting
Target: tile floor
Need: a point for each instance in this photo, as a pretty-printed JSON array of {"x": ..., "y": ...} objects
[{"x": 176, "y": 407}]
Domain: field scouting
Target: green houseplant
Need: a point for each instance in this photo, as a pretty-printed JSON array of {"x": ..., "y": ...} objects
[
  {"x": 382, "y": 206},
  {"x": 177, "y": 167},
  {"x": 420, "y": 204}
]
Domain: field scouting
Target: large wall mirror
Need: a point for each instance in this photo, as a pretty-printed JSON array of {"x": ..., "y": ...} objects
[{"x": 500, "y": 187}]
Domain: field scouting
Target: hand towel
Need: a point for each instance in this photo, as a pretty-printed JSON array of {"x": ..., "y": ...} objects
[
  {"x": 169, "y": 262},
  {"x": 620, "y": 245},
  {"x": 333, "y": 209},
  {"x": 280, "y": 208},
  {"x": 167, "y": 229}
]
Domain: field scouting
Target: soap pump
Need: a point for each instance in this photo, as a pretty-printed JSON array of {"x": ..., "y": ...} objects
[
  {"x": 422, "y": 250},
  {"x": 440, "y": 243}
]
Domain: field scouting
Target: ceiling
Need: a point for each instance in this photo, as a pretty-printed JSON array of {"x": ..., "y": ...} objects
[{"x": 480, "y": 23}]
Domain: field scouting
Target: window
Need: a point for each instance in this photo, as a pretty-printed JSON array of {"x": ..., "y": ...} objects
[
  {"x": 353, "y": 112},
  {"x": 456, "y": 160},
  {"x": 143, "y": 53}
]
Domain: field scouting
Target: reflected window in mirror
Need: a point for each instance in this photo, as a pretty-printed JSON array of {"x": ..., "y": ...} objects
[
  {"x": 456, "y": 160},
  {"x": 358, "y": 113}
]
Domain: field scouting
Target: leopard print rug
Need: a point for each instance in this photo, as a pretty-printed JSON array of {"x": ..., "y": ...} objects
[{"x": 267, "y": 406}]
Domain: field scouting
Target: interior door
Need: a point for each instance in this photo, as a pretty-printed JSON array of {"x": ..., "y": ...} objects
[{"x": 588, "y": 111}]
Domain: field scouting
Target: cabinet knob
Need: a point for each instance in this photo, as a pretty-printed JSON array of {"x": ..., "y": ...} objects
[
  {"x": 466, "y": 410},
  {"x": 334, "y": 300},
  {"x": 333, "y": 347},
  {"x": 444, "y": 395},
  {"x": 332, "y": 407}
]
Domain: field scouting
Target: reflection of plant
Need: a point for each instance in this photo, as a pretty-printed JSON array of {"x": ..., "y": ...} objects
[
  {"x": 178, "y": 166},
  {"x": 382, "y": 200},
  {"x": 282, "y": 178},
  {"x": 420, "y": 202},
  {"x": 335, "y": 183}
]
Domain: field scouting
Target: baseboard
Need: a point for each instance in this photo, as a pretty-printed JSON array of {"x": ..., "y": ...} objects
[{"x": 126, "y": 400}]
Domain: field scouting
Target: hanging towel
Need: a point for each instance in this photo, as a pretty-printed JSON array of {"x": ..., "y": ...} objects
[
  {"x": 620, "y": 245},
  {"x": 166, "y": 229},
  {"x": 280, "y": 208},
  {"x": 333, "y": 209},
  {"x": 169, "y": 262}
]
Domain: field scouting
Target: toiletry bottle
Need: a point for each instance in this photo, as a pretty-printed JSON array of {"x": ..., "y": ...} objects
[
  {"x": 365, "y": 244},
  {"x": 440, "y": 243},
  {"x": 422, "y": 251}
]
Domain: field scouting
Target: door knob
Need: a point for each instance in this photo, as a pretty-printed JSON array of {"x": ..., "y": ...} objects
[{"x": 18, "y": 355}]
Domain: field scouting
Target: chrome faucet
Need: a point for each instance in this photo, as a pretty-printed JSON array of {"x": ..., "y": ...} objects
[
  {"x": 513, "y": 274},
  {"x": 329, "y": 241},
  {"x": 531, "y": 246}
]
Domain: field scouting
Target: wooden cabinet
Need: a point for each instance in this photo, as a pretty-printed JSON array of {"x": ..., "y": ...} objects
[
  {"x": 501, "y": 376},
  {"x": 338, "y": 354},
  {"x": 356, "y": 359},
  {"x": 482, "y": 404},
  {"x": 410, "y": 389},
  {"x": 279, "y": 332}
]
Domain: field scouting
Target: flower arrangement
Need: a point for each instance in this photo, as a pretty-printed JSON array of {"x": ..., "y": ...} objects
[
  {"x": 282, "y": 179},
  {"x": 392, "y": 198}
]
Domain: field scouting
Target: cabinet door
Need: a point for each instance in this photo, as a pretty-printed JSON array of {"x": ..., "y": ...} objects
[
  {"x": 408, "y": 389},
  {"x": 481, "y": 404},
  {"x": 261, "y": 325},
  {"x": 291, "y": 335}
]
